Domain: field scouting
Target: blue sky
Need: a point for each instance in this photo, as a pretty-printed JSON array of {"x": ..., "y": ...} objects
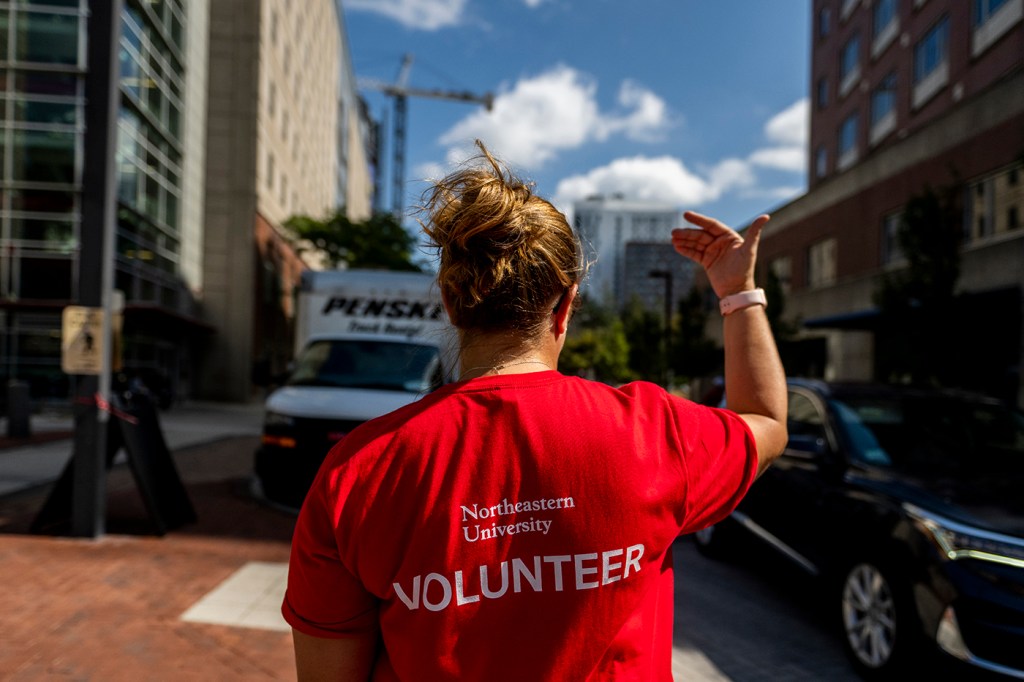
[{"x": 698, "y": 103}]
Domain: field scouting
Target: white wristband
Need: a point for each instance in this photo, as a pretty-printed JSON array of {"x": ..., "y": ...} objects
[{"x": 744, "y": 299}]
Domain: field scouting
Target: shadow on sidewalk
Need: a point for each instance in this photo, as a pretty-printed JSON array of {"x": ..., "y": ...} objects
[{"x": 216, "y": 477}]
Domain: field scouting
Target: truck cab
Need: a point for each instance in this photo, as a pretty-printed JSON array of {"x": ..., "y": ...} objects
[{"x": 368, "y": 343}]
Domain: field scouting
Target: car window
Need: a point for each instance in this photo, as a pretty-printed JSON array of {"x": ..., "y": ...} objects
[
  {"x": 804, "y": 417},
  {"x": 930, "y": 433}
]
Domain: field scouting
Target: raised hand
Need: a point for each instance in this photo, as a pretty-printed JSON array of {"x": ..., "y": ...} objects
[{"x": 727, "y": 258}]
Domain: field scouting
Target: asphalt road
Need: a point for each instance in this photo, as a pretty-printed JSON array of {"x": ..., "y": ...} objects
[{"x": 752, "y": 618}]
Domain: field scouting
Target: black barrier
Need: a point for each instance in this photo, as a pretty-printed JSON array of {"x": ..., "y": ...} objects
[{"x": 135, "y": 426}]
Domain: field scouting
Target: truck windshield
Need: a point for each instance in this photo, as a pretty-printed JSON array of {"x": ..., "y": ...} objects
[{"x": 382, "y": 365}]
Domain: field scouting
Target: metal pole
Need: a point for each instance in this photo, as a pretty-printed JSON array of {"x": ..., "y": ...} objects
[
  {"x": 96, "y": 262},
  {"x": 667, "y": 276}
]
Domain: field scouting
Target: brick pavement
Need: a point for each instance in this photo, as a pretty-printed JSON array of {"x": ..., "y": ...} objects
[{"x": 110, "y": 609}]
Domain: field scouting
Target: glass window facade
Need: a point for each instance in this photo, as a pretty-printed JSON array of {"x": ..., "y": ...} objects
[
  {"x": 848, "y": 134},
  {"x": 983, "y": 9},
  {"x": 849, "y": 60},
  {"x": 932, "y": 51},
  {"x": 884, "y": 13},
  {"x": 883, "y": 99},
  {"x": 42, "y": 110}
]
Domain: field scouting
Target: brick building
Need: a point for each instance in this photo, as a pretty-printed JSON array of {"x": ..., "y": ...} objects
[{"x": 908, "y": 95}]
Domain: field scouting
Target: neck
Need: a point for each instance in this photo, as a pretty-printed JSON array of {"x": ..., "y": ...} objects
[{"x": 495, "y": 355}]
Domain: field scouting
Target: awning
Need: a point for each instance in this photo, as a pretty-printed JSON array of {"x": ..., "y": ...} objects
[{"x": 862, "y": 320}]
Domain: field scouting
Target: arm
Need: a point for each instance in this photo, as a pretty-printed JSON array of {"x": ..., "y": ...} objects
[
  {"x": 319, "y": 659},
  {"x": 755, "y": 382}
]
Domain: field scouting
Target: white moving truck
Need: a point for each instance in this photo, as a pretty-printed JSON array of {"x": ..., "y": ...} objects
[{"x": 367, "y": 342}]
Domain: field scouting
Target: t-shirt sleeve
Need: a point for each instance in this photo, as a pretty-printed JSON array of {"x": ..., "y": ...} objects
[
  {"x": 721, "y": 464},
  {"x": 324, "y": 598}
]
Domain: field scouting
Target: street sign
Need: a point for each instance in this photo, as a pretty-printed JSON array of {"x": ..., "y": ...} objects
[{"x": 81, "y": 344}]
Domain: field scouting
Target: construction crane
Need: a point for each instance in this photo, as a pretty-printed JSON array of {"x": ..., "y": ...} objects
[{"x": 400, "y": 91}]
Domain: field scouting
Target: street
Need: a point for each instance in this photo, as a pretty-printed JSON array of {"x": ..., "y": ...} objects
[{"x": 751, "y": 619}]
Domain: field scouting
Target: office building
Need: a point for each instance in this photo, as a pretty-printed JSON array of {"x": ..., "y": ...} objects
[
  {"x": 606, "y": 225},
  {"x": 285, "y": 137},
  {"x": 909, "y": 96},
  {"x": 160, "y": 177}
]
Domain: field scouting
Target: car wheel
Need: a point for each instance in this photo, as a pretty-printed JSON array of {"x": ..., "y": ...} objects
[{"x": 878, "y": 620}]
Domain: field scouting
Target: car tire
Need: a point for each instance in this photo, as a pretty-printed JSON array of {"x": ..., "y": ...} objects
[
  {"x": 717, "y": 541},
  {"x": 880, "y": 627}
]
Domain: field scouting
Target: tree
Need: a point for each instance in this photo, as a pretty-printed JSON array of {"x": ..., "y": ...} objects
[
  {"x": 645, "y": 331},
  {"x": 378, "y": 242},
  {"x": 915, "y": 302},
  {"x": 693, "y": 354},
  {"x": 597, "y": 346}
]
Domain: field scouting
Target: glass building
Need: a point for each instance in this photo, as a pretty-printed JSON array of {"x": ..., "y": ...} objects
[{"x": 42, "y": 77}]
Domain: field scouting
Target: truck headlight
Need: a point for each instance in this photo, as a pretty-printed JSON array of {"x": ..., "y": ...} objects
[{"x": 960, "y": 541}]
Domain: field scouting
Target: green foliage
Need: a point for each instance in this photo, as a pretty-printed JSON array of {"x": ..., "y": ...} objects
[
  {"x": 600, "y": 353},
  {"x": 379, "y": 242},
  {"x": 915, "y": 301},
  {"x": 597, "y": 346},
  {"x": 645, "y": 331}
]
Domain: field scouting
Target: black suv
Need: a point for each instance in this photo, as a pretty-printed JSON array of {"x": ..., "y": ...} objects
[{"x": 909, "y": 504}]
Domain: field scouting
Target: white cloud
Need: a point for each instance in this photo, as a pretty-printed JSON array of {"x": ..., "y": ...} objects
[
  {"x": 788, "y": 133},
  {"x": 667, "y": 180},
  {"x": 789, "y": 126},
  {"x": 533, "y": 3},
  {"x": 538, "y": 117},
  {"x": 426, "y": 15},
  {"x": 662, "y": 179},
  {"x": 782, "y": 158}
]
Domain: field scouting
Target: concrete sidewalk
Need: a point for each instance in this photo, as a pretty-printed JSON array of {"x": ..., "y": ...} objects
[{"x": 184, "y": 425}]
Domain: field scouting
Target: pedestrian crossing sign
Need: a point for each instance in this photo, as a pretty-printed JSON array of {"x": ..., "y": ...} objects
[{"x": 81, "y": 346}]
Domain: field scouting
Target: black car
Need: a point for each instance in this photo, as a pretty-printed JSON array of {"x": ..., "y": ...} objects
[{"x": 908, "y": 504}]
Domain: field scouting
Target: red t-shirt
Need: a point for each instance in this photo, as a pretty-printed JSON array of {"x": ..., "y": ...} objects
[{"x": 515, "y": 527}]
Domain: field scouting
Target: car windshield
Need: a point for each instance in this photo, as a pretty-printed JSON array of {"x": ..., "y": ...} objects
[
  {"x": 384, "y": 365},
  {"x": 939, "y": 435}
]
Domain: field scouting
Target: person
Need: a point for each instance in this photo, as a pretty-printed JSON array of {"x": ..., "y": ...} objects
[{"x": 517, "y": 523}]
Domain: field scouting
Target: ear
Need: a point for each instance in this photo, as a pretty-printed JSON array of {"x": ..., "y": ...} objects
[
  {"x": 447, "y": 306},
  {"x": 564, "y": 311}
]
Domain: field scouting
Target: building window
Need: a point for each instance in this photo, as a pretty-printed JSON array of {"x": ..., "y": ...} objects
[
  {"x": 980, "y": 210},
  {"x": 824, "y": 21},
  {"x": 892, "y": 251},
  {"x": 271, "y": 99},
  {"x": 821, "y": 100},
  {"x": 849, "y": 65},
  {"x": 46, "y": 38},
  {"x": 846, "y": 9},
  {"x": 885, "y": 24},
  {"x": 821, "y": 263},
  {"x": 270, "y": 171},
  {"x": 821, "y": 162},
  {"x": 847, "y": 142},
  {"x": 883, "y": 109},
  {"x": 1012, "y": 218},
  {"x": 931, "y": 63},
  {"x": 992, "y": 20},
  {"x": 782, "y": 269}
]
